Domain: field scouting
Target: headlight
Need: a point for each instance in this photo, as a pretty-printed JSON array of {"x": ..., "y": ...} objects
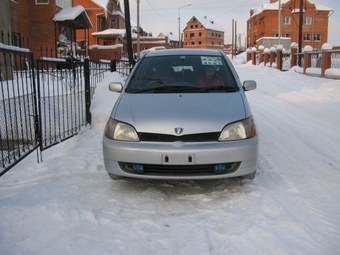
[
  {"x": 239, "y": 130},
  {"x": 120, "y": 131}
]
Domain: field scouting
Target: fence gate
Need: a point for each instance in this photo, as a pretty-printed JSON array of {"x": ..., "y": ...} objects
[
  {"x": 64, "y": 99},
  {"x": 18, "y": 111}
]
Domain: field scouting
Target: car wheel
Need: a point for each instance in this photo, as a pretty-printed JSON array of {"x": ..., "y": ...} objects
[
  {"x": 115, "y": 177},
  {"x": 249, "y": 176}
]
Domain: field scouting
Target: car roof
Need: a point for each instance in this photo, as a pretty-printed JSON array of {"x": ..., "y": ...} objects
[{"x": 174, "y": 52}]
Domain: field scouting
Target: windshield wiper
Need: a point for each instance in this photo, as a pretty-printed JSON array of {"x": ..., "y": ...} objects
[
  {"x": 169, "y": 88},
  {"x": 188, "y": 89},
  {"x": 218, "y": 89}
]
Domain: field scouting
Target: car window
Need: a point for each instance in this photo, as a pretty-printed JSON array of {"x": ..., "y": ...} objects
[{"x": 182, "y": 73}]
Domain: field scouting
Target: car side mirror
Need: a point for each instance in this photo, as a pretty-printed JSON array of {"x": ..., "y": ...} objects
[
  {"x": 249, "y": 85},
  {"x": 116, "y": 87}
]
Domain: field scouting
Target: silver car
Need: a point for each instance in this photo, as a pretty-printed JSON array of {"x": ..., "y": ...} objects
[{"x": 182, "y": 114}]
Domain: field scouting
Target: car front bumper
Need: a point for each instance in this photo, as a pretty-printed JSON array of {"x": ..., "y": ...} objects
[{"x": 179, "y": 160}]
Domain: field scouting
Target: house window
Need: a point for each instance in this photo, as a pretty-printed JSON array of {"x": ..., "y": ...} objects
[
  {"x": 42, "y": 1},
  {"x": 64, "y": 3},
  {"x": 275, "y": 35},
  {"x": 101, "y": 23},
  {"x": 192, "y": 35},
  {"x": 113, "y": 23},
  {"x": 212, "y": 34},
  {"x": 16, "y": 39},
  {"x": 199, "y": 34},
  {"x": 212, "y": 43},
  {"x": 196, "y": 26},
  {"x": 307, "y": 20},
  {"x": 192, "y": 26},
  {"x": 192, "y": 43},
  {"x": 286, "y": 20},
  {"x": 285, "y": 35},
  {"x": 317, "y": 37},
  {"x": 199, "y": 42},
  {"x": 306, "y": 37}
]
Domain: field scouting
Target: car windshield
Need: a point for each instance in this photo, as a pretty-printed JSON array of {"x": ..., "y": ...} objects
[{"x": 182, "y": 74}]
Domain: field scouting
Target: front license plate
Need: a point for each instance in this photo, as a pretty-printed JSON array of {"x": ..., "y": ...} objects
[{"x": 178, "y": 159}]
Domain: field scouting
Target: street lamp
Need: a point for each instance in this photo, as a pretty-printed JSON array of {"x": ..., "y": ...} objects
[{"x": 179, "y": 25}]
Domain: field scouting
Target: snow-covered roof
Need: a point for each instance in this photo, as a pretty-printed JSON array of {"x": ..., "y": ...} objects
[
  {"x": 110, "y": 32},
  {"x": 275, "y": 6},
  {"x": 170, "y": 36},
  {"x": 208, "y": 23},
  {"x": 103, "y": 4},
  {"x": 75, "y": 15},
  {"x": 133, "y": 24}
]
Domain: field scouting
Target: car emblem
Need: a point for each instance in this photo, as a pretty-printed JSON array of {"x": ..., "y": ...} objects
[{"x": 178, "y": 130}]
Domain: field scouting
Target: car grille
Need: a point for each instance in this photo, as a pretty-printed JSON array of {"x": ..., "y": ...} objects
[
  {"x": 203, "y": 137},
  {"x": 179, "y": 170}
]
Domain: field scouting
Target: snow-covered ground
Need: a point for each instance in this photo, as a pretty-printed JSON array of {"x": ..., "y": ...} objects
[{"x": 67, "y": 204}]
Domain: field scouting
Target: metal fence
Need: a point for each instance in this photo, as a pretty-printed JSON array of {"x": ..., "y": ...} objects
[
  {"x": 63, "y": 103},
  {"x": 44, "y": 105},
  {"x": 316, "y": 59},
  {"x": 18, "y": 107}
]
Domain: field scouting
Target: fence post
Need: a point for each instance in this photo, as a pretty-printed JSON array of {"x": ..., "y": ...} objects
[
  {"x": 113, "y": 66},
  {"x": 293, "y": 54},
  {"x": 266, "y": 56},
  {"x": 248, "y": 51},
  {"x": 272, "y": 55},
  {"x": 87, "y": 90},
  {"x": 261, "y": 48},
  {"x": 326, "y": 58},
  {"x": 253, "y": 56},
  {"x": 279, "y": 57},
  {"x": 307, "y": 57}
]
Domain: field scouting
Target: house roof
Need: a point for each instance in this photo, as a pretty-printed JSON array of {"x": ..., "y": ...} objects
[
  {"x": 75, "y": 17},
  {"x": 275, "y": 6},
  {"x": 103, "y": 4},
  {"x": 109, "y": 33},
  {"x": 208, "y": 23}
]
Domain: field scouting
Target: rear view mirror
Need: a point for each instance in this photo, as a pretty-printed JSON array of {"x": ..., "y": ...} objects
[
  {"x": 249, "y": 85},
  {"x": 116, "y": 87}
]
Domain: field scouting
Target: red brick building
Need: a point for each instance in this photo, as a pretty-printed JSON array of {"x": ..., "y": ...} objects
[
  {"x": 39, "y": 24},
  {"x": 32, "y": 24},
  {"x": 109, "y": 28},
  {"x": 203, "y": 33},
  {"x": 264, "y": 22}
]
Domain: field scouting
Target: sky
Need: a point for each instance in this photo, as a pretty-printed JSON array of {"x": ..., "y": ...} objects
[
  {"x": 67, "y": 204},
  {"x": 162, "y": 15}
]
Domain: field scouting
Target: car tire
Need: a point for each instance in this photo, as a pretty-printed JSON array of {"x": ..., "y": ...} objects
[
  {"x": 249, "y": 176},
  {"x": 115, "y": 177}
]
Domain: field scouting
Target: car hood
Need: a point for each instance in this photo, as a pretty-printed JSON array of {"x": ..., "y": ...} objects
[{"x": 194, "y": 113}]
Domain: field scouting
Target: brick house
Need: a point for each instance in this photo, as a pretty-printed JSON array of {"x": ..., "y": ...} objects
[
  {"x": 40, "y": 23},
  {"x": 33, "y": 25},
  {"x": 264, "y": 22},
  {"x": 203, "y": 33},
  {"x": 109, "y": 29},
  {"x": 104, "y": 14}
]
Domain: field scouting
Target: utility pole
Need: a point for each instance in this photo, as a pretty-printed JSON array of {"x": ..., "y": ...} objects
[
  {"x": 235, "y": 38},
  {"x": 300, "y": 32},
  {"x": 279, "y": 23},
  {"x": 128, "y": 32},
  {"x": 138, "y": 30},
  {"x": 179, "y": 26},
  {"x": 232, "y": 40}
]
